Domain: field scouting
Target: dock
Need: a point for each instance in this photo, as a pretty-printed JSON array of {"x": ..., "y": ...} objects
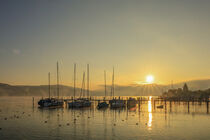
[{"x": 145, "y": 99}]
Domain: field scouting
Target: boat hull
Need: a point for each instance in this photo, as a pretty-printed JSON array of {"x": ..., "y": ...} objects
[
  {"x": 160, "y": 106},
  {"x": 131, "y": 103},
  {"x": 102, "y": 105},
  {"x": 50, "y": 102},
  {"x": 117, "y": 103},
  {"x": 80, "y": 103}
]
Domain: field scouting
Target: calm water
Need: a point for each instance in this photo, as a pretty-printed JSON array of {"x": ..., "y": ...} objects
[{"x": 23, "y": 121}]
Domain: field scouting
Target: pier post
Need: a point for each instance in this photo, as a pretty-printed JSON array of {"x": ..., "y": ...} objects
[
  {"x": 165, "y": 105},
  {"x": 139, "y": 103},
  {"x": 126, "y": 101},
  {"x": 154, "y": 103},
  {"x": 33, "y": 101},
  {"x": 207, "y": 106},
  {"x": 193, "y": 101},
  {"x": 200, "y": 102}
]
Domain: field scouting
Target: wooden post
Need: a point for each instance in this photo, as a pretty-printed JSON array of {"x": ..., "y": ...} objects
[
  {"x": 200, "y": 102},
  {"x": 165, "y": 105},
  {"x": 154, "y": 103},
  {"x": 74, "y": 80},
  {"x": 33, "y": 101}
]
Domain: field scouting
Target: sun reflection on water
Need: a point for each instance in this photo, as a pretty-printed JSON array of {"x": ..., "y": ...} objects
[{"x": 150, "y": 113}]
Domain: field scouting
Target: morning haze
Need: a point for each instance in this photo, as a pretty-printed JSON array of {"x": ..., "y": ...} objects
[
  {"x": 168, "y": 39},
  {"x": 104, "y": 69}
]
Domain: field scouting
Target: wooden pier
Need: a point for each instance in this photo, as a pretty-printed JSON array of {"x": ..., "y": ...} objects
[
  {"x": 144, "y": 100},
  {"x": 155, "y": 101}
]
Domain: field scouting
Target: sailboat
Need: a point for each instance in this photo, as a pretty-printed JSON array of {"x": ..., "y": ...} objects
[
  {"x": 51, "y": 102},
  {"x": 115, "y": 103},
  {"x": 104, "y": 103},
  {"x": 81, "y": 101},
  {"x": 131, "y": 102}
]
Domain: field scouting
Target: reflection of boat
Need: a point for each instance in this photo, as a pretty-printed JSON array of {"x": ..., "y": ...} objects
[
  {"x": 51, "y": 102},
  {"x": 131, "y": 102},
  {"x": 104, "y": 103},
  {"x": 132, "y": 108},
  {"x": 160, "y": 106},
  {"x": 81, "y": 102}
]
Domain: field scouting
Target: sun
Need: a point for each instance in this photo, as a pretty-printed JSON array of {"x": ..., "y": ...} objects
[{"x": 149, "y": 79}]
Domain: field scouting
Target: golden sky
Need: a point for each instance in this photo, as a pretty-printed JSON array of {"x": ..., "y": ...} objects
[{"x": 167, "y": 39}]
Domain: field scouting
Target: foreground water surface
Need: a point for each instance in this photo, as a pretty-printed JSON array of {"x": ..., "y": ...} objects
[{"x": 19, "y": 119}]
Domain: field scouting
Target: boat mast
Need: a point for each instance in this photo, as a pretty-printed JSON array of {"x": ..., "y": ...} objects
[
  {"x": 113, "y": 83},
  {"x": 105, "y": 83},
  {"x": 112, "y": 86},
  {"x": 74, "y": 80},
  {"x": 83, "y": 85},
  {"x": 87, "y": 80},
  {"x": 49, "y": 83},
  {"x": 57, "y": 80}
]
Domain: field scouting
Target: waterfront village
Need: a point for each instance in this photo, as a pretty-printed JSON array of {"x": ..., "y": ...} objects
[{"x": 186, "y": 94}]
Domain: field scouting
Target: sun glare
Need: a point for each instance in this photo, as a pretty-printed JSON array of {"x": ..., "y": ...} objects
[{"x": 150, "y": 79}]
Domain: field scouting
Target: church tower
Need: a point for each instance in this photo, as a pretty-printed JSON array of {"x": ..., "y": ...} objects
[{"x": 185, "y": 88}]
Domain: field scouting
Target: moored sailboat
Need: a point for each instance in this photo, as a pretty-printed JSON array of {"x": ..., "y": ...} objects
[
  {"x": 104, "y": 103},
  {"x": 115, "y": 103},
  {"x": 131, "y": 102},
  {"x": 51, "y": 102},
  {"x": 81, "y": 101}
]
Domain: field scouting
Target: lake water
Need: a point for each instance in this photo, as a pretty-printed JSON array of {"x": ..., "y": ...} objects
[{"x": 20, "y": 120}]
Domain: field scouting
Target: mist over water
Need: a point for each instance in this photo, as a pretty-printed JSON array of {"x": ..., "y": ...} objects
[
  {"x": 87, "y": 51},
  {"x": 19, "y": 119}
]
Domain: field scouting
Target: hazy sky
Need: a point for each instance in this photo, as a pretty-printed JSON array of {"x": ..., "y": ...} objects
[{"x": 169, "y": 39}]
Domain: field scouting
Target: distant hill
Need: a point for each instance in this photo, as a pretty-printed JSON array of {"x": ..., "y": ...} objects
[
  {"x": 42, "y": 90},
  {"x": 130, "y": 90}
]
